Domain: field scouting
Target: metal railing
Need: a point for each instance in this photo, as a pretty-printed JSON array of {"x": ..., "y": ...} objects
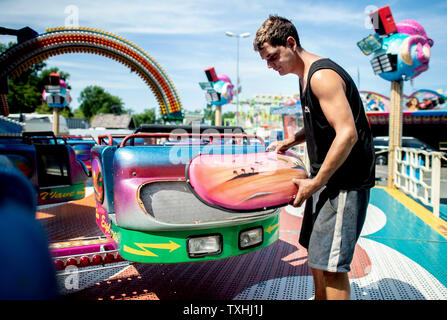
[{"x": 418, "y": 173}]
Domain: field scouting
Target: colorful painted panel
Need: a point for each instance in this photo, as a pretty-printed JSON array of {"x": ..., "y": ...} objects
[
  {"x": 245, "y": 182},
  {"x": 61, "y": 194},
  {"x": 97, "y": 177},
  {"x": 421, "y": 107}
]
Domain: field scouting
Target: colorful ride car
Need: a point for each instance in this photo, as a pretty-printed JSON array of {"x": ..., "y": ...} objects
[
  {"x": 53, "y": 168},
  {"x": 145, "y": 208}
]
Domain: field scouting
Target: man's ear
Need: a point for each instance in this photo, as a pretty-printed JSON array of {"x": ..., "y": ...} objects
[{"x": 291, "y": 43}]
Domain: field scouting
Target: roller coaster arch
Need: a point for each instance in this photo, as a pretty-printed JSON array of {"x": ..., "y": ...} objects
[{"x": 62, "y": 40}]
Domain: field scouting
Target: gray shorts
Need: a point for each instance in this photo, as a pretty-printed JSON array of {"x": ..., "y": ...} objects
[{"x": 332, "y": 222}]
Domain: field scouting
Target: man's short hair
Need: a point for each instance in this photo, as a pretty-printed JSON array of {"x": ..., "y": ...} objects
[{"x": 275, "y": 31}]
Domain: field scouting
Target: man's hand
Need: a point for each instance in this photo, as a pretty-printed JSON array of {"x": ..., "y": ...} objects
[
  {"x": 284, "y": 145},
  {"x": 306, "y": 188},
  {"x": 281, "y": 146}
]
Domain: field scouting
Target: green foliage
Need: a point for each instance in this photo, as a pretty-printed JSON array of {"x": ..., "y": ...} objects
[
  {"x": 229, "y": 114},
  {"x": 147, "y": 117},
  {"x": 210, "y": 113},
  {"x": 25, "y": 91},
  {"x": 77, "y": 113},
  {"x": 95, "y": 99}
]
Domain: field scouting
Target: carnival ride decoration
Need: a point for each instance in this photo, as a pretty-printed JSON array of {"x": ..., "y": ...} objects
[
  {"x": 218, "y": 91},
  {"x": 401, "y": 51},
  {"x": 56, "y": 94},
  {"x": 81, "y": 146},
  {"x": 423, "y": 99},
  {"x": 139, "y": 187},
  {"x": 139, "y": 191},
  {"x": 245, "y": 182},
  {"x": 36, "y": 48},
  {"x": 373, "y": 101},
  {"x": 53, "y": 168},
  {"x": 420, "y": 107}
]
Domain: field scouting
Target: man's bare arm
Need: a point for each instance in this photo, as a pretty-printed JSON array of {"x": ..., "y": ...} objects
[
  {"x": 329, "y": 89},
  {"x": 283, "y": 145}
]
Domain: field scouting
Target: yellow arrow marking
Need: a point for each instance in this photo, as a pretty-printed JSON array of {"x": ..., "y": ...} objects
[
  {"x": 271, "y": 227},
  {"x": 171, "y": 246}
]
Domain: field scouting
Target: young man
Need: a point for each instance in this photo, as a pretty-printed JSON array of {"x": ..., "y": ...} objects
[{"x": 341, "y": 154}]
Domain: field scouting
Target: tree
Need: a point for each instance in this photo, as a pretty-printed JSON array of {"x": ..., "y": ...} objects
[
  {"x": 95, "y": 100},
  {"x": 25, "y": 91},
  {"x": 229, "y": 114},
  {"x": 147, "y": 117},
  {"x": 210, "y": 113}
]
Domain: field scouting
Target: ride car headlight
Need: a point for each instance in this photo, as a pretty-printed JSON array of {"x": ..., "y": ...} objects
[
  {"x": 204, "y": 246},
  {"x": 251, "y": 238}
]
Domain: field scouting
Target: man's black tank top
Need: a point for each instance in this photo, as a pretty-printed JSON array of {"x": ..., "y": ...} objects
[{"x": 358, "y": 171}]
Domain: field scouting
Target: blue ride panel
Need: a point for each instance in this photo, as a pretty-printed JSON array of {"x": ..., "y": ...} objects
[
  {"x": 26, "y": 269},
  {"x": 23, "y": 156}
]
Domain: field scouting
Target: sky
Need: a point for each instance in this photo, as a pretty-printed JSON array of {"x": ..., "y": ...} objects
[{"x": 186, "y": 37}]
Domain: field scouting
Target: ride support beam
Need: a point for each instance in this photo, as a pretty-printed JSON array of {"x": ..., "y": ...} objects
[
  {"x": 395, "y": 128},
  {"x": 56, "y": 121},
  {"x": 218, "y": 116},
  {"x": 4, "y": 110}
]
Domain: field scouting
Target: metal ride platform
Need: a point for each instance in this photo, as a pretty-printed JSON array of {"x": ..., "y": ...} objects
[{"x": 401, "y": 255}]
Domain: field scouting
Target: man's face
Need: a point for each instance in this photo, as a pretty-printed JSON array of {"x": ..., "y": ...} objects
[{"x": 278, "y": 58}]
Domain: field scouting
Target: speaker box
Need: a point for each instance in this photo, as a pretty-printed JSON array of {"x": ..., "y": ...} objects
[
  {"x": 211, "y": 74},
  {"x": 382, "y": 21}
]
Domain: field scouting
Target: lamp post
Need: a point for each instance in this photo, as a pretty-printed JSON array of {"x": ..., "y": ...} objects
[{"x": 237, "y": 36}]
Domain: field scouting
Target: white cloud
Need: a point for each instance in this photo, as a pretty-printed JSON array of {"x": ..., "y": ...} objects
[
  {"x": 329, "y": 13},
  {"x": 185, "y": 37}
]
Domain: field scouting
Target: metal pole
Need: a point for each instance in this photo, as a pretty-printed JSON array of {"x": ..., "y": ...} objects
[
  {"x": 56, "y": 121},
  {"x": 435, "y": 182},
  {"x": 237, "y": 83},
  {"x": 237, "y": 36},
  {"x": 218, "y": 116},
  {"x": 395, "y": 128}
]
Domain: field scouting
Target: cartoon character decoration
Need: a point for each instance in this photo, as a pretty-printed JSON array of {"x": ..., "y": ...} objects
[
  {"x": 56, "y": 94},
  {"x": 422, "y": 99},
  {"x": 219, "y": 89},
  {"x": 401, "y": 51},
  {"x": 373, "y": 101},
  {"x": 425, "y": 100}
]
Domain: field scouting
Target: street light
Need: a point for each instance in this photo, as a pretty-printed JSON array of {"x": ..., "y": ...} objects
[{"x": 237, "y": 36}]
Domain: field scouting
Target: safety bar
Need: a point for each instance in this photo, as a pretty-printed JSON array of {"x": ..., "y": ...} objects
[
  {"x": 77, "y": 137},
  {"x": 191, "y": 135},
  {"x": 42, "y": 135},
  {"x": 109, "y": 137}
]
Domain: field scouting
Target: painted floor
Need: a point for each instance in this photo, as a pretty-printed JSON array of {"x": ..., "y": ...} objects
[{"x": 401, "y": 255}]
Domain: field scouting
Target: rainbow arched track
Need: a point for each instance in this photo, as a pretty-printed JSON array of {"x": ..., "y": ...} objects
[{"x": 58, "y": 41}]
